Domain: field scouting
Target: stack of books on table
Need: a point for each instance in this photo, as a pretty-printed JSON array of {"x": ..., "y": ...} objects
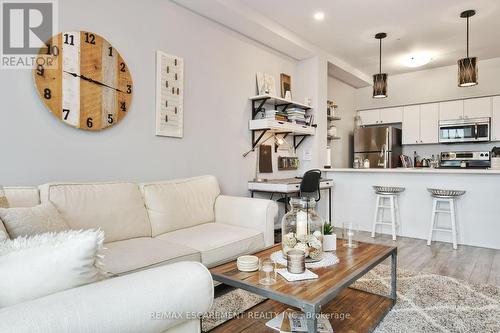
[
  {"x": 296, "y": 115},
  {"x": 291, "y": 321}
]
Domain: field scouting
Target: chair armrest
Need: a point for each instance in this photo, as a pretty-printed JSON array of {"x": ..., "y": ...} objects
[
  {"x": 147, "y": 301},
  {"x": 250, "y": 213}
]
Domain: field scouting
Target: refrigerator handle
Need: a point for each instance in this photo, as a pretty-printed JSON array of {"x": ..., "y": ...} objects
[{"x": 383, "y": 157}]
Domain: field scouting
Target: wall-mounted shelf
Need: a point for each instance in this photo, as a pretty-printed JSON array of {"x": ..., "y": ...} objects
[
  {"x": 329, "y": 137},
  {"x": 277, "y": 126},
  {"x": 278, "y": 102},
  {"x": 331, "y": 118}
]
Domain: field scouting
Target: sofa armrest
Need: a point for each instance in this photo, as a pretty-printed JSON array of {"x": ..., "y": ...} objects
[
  {"x": 147, "y": 301},
  {"x": 250, "y": 213}
]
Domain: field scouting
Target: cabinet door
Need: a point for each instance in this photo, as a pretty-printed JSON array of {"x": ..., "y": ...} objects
[
  {"x": 411, "y": 125},
  {"x": 477, "y": 108},
  {"x": 391, "y": 115},
  {"x": 429, "y": 123},
  {"x": 369, "y": 117},
  {"x": 452, "y": 110},
  {"x": 495, "y": 119}
]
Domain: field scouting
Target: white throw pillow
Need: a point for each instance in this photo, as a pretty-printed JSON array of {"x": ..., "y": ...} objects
[
  {"x": 27, "y": 221},
  {"x": 36, "y": 266},
  {"x": 3, "y": 233}
]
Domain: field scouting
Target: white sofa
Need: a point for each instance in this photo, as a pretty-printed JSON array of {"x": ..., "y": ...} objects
[{"x": 146, "y": 226}]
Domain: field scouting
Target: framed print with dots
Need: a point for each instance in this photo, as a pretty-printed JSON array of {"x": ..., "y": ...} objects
[{"x": 169, "y": 95}]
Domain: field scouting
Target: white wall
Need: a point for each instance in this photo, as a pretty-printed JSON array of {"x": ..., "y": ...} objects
[
  {"x": 220, "y": 68},
  {"x": 344, "y": 96},
  {"x": 432, "y": 85}
]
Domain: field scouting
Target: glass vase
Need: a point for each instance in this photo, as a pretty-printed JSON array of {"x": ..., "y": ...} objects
[{"x": 302, "y": 229}]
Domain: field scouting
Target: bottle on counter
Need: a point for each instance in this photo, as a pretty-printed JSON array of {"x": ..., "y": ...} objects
[{"x": 415, "y": 159}]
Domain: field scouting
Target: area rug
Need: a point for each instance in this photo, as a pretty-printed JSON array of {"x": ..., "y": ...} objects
[{"x": 426, "y": 303}]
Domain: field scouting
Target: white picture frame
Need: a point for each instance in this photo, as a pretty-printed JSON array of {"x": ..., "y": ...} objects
[{"x": 169, "y": 95}]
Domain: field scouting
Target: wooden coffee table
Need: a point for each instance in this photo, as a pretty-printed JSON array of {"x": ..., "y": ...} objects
[{"x": 349, "y": 309}]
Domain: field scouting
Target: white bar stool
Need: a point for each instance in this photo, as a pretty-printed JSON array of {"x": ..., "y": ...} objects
[
  {"x": 387, "y": 194},
  {"x": 448, "y": 197}
]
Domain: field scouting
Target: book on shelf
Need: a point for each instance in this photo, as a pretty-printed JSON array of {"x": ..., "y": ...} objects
[{"x": 291, "y": 321}]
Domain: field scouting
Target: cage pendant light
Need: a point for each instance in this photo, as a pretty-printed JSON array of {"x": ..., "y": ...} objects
[
  {"x": 380, "y": 79},
  {"x": 467, "y": 67}
]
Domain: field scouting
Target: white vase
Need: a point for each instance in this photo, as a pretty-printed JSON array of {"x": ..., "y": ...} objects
[{"x": 329, "y": 242}]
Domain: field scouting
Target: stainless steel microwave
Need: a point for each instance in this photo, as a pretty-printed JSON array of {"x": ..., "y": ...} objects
[{"x": 466, "y": 130}]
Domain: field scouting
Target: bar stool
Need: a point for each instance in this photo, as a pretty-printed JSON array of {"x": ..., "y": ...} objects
[
  {"x": 449, "y": 197},
  {"x": 390, "y": 194}
]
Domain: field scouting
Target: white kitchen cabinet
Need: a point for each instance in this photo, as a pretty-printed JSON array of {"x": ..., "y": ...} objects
[
  {"x": 429, "y": 123},
  {"x": 369, "y": 117},
  {"x": 477, "y": 108},
  {"x": 451, "y": 110},
  {"x": 411, "y": 125},
  {"x": 495, "y": 119},
  {"x": 391, "y": 115}
]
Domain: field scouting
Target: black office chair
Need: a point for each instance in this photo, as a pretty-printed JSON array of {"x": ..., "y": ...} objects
[{"x": 310, "y": 184}]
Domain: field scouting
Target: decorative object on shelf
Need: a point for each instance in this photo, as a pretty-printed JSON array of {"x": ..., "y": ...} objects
[
  {"x": 247, "y": 263},
  {"x": 302, "y": 229},
  {"x": 329, "y": 238},
  {"x": 267, "y": 271},
  {"x": 288, "y": 95},
  {"x": 4, "y": 203},
  {"x": 350, "y": 234},
  {"x": 467, "y": 67},
  {"x": 296, "y": 261},
  {"x": 266, "y": 84},
  {"x": 265, "y": 161},
  {"x": 169, "y": 95},
  {"x": 330, "y": 108},
  {"x": 380, "y": 79},
  {"x": 329, "y": 259},
  {"x": 90, "y": 85},
  {"x": 286, "y": 86},
  {"x": 332, "y": 131}
]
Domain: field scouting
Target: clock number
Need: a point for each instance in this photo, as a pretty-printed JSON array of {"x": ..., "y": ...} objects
[
  {"x": 166, "y": 118},
  {"x": 166, "y": 103},
  {"x": 47, "y": 93},
  {"x": 89, "y": 122},
  {"x": 110, "y": 51},
  {"x": 176, "y": 76},
  {"x": 123, "y": 106},
  {"x": 40, "y": 70},
  {"x": 166, "y": 84},
  {"x": 129, "y": 89},
  {"x": 110, "y": 118},
  {"x": 69, "y": 39},
  {"x": 52, "y": 50},
  {"x": 122, "y": 67},
  {"x": 175, "y": 111},
  {"x": 65, "y": 114},
  {"x": 89, "y": 38}
]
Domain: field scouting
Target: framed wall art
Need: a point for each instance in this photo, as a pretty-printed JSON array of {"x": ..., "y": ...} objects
[
  {"x": 169, "y": 95},
  {"x": 286, "y": 84},
  {"x": 266, "y": 84}
]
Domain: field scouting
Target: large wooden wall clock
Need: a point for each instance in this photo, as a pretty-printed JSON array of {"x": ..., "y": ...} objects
[{"x": 89, "y": 85}]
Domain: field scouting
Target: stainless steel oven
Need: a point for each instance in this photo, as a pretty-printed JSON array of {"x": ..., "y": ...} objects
[{"x": 467, "y": 130}]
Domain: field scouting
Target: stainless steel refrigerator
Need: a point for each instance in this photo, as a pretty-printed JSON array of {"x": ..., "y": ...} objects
[{"x": 380, "y": 145}]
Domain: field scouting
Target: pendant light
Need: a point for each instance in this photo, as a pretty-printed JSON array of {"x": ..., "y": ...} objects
[
  {"x": 467, "y": 67},
  {"x": 380, "y": 79}
]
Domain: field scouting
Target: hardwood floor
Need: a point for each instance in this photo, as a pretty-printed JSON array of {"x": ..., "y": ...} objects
[{"x": 469, "y": 263}]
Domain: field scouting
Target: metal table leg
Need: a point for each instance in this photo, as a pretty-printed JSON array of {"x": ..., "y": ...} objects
[
  {"x": 394, "y": 261},
  {"x": 312, "y": 320},
  {"x": 286, "y": 203},
  {"x": 251, "y": 194},
  {"x": 330, "y": 204}
]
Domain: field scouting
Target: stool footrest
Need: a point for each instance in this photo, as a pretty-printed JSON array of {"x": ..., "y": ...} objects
[
  {"x": 443, "y": 211},
  {"x": 442, "y": 229}
]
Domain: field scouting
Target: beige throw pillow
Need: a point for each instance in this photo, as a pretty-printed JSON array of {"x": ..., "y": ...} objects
[
  {"x": 40, "y": 265},
  {"x": 27, "y": 221}
]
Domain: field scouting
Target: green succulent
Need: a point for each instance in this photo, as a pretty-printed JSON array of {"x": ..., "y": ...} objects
[{"x": 327, "y": 229}]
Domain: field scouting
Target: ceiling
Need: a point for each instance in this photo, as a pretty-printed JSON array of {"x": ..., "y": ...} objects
[{"x": 412, "y": 26}]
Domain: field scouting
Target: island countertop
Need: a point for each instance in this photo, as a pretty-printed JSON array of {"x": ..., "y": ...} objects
[{"x": 417, "y": 170}]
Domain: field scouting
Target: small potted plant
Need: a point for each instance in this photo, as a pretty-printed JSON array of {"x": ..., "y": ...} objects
[{"x": 329, "y": 238}]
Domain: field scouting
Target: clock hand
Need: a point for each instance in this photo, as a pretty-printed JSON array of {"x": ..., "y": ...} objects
[{"x": 92, "y": 80}]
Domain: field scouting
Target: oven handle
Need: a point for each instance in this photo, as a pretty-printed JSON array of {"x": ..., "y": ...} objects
[{"x": 476, "y": 134}]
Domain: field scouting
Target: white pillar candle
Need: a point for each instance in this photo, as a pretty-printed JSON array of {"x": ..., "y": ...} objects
[{"x": 301, "y": 223}]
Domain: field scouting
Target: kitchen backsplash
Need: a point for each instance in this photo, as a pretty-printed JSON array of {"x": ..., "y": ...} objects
[{"x": 429, "y": 150}]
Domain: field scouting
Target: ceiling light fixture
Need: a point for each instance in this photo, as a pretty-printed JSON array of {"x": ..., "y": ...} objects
[
  {"x": 416, "y": 59},
  {"x": 467, "y": 67},
  {"x": 319, "y": 16},
  {"x": 380, "y": 79}
]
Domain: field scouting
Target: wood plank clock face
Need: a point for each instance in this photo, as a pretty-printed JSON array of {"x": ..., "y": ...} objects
[{"x": 91, "y": 86}]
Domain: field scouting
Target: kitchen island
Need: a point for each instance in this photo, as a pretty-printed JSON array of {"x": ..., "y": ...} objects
[{"x": 478, "y": 211}]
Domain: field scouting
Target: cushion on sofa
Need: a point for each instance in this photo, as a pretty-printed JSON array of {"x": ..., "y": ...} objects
[
  {"x": 22, "y": 196},
  {"x": 178, "y": 204},
  {"x": 140, "y": 253},
  {"x": 117, "y": 208},
  {"x": 217, "y": 241}
]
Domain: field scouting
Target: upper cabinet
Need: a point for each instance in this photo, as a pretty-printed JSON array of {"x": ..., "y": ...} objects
[
  {"x": 420, "y": 124},
  {"x": 411, "y": 125},
  {"x": 495, "y": 119},
  {"x": 369, "y": 117},
  {"x": 381, "y": 116},
  {"x": 451, "y": 110},
  {"x": 477, "y": 108}
]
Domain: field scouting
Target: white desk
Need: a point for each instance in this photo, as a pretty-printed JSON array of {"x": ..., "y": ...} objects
[{"x": 288, "y": 186}]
